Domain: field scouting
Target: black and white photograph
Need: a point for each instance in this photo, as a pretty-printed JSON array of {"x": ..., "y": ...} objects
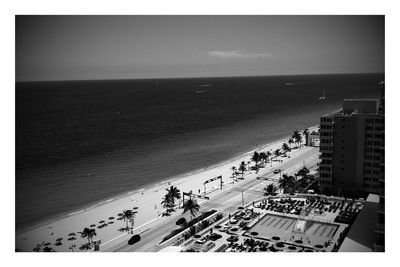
[{"x": 211, "y": 133}]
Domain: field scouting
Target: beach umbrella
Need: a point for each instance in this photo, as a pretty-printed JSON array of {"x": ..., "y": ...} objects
[
  {"x": 276, "y": 238},
  {"x": 101, "y": 221},
  {"x": 111, "y": 218},
  {"x": 254, "y": 233},
  {"x": 47, "y": 244},
  {"x": 92, "y": 225},
  {"x": 120, "y": 214},
  {"x": 47, "y": 249},
  {"x": 135, "y": 208},
  {"x": 71, "y": 234},
  {"x": 110, "y": 222},
  {"x": 71, "y": 238},
  {"x": 59, "y": 239}
]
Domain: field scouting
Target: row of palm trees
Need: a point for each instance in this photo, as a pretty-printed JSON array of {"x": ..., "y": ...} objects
[
  {"x": 260, "y": 158},
  {"x": 169, "y": 202},
  {"x": 297, "y": 138}
]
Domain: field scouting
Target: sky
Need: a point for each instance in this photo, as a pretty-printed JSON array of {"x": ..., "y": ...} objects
[{"x": 139, "y": 46}]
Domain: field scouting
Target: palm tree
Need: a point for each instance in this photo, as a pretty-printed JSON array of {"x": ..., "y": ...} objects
[
  {"x": 174, "y": 193},
  {"x": 129, "y": 216},
  {"x": 88, "y": 233},
  {"x": 297, "y": 137},
  {"x": 285, "y": 148},
  {"x": 168, "y": 205},
  {"x": 233, "y": 171},
  {"x": 277, "y": 152},
  {"x": 269, "y": 154},
  {"x": 291, "y": 142},
  {"x": 242, "y": 168},
  {"x": 191, "y": 206},
  {"x": 256, "y": 158},
  {"x": 92, "y": 233},
  {"x": 270, "y": 189},
  {"x": 263, "y": 156},
  {"x": 286, "y": 182},
  {"x": 132, "y": 218},
  {"x": 126, "y": 215}
]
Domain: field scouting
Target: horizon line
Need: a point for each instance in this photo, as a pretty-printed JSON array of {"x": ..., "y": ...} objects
[{"x": 196, "y": 77}]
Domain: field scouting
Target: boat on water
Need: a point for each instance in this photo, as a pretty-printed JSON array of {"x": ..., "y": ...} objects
[{"x": 323, "y": 95}]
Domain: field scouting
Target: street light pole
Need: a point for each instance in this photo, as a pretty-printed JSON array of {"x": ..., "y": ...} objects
[{"x": 242, "y": 199}]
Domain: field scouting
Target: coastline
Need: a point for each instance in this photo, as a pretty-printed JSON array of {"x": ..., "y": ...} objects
[
  {"x": 146, "y": 198},
  {"x": 149, "y": 186}
]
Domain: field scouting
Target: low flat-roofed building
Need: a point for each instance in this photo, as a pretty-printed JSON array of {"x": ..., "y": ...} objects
[{"x": 362, "y": 236}]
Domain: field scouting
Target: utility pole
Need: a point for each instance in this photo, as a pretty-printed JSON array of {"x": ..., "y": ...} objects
[{"x": 242, "y": 199}]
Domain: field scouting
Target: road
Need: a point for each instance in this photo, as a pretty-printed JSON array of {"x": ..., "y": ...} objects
[{"x": 226, "y": 200}]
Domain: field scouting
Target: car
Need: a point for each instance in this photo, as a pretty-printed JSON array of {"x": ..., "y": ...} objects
[
  {"x": 201, "y": 241},
  {"x": 134, "y": 239},
  {"x": 232, "y": 238},
  {"x": 277, "y": 171},
  {"x": 233, "y": 221},
  {"x": 215, "y": 236}
]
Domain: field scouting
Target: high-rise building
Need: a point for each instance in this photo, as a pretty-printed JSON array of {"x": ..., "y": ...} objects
[
  {"x": 380, "y": 226},
  {"x": 352, "y": 148}
]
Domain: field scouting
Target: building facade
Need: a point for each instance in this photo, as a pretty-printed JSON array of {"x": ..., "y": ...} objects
[{"x": 352, "y": 148}]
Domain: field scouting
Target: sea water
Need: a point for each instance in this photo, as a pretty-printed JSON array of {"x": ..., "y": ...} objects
[{"x": 82, "y": 142}]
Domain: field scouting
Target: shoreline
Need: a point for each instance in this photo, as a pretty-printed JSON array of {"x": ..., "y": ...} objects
[
  {"x": 150, "y": 186},
  {"x": 145, "y": 198}
]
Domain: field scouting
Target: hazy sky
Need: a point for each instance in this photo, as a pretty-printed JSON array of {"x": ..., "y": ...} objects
[{"x": 113, "y": 47}]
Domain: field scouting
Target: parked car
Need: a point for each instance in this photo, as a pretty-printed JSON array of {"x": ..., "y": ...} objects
[
  {"x": 134, "y": 239},
  {"x": 215, "y": 236},
  {"x": 232, "y": 238},
  {"x": 277, "y": 171}
]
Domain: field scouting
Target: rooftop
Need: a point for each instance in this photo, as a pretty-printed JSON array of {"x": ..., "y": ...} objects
[{"x": 361, "y": 237}]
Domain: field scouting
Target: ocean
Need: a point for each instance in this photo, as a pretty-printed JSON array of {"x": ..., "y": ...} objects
[{"x": 81, "y": 142}]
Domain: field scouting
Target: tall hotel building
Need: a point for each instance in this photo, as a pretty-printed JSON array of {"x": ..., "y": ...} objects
[{"x": 352, "y": 149}]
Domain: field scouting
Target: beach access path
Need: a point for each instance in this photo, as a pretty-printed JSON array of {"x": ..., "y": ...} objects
[{"x": 149, "y": 208}]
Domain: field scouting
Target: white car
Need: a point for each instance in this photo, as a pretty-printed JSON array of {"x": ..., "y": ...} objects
[{"x": 277, "y": 171}]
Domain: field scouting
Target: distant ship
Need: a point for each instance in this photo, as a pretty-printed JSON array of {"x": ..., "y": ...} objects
[
  {"x": 203, "y": 85},
  {"x": 323, "y": 95}
]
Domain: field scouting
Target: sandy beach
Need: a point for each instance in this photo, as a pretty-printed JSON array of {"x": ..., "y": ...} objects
[{"x": 146, "y": 199}]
